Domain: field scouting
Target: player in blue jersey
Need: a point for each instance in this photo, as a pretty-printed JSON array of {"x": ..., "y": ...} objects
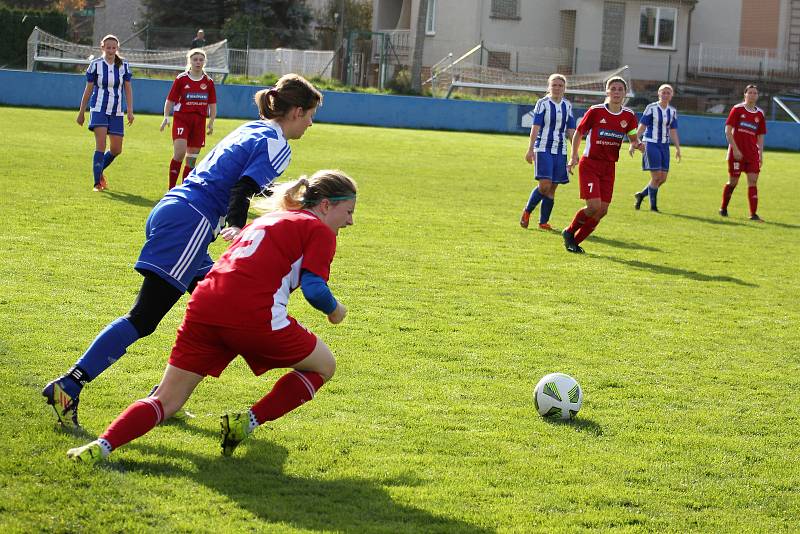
[
  {"x": 659, "y": 125},
  {"x": 552, "y": 124},
  {"x": 106, "y": 78},
  {"x": 187, "y": 219}
]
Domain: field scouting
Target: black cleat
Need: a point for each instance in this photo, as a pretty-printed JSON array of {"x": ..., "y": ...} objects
[
  {"x": 653, "y": 208},
  {"x": 723, "y": 212},
  {"x": 756, "y": 218},
  {"x": 639, "y": 198},
  {"x": 569, "y": 242}
]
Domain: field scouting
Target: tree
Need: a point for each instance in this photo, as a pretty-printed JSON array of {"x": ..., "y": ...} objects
[{"x": 419, "y": 45}]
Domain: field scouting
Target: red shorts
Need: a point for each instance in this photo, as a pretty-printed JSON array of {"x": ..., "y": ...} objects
[
  {"x": 736, "y": 168},
  {"x": 207, "y": 349},
  {"x": 189, "y": 126},
  {"x": 596, "y": 178}
]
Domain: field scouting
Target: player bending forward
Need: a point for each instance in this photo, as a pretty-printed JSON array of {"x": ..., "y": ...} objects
[{"x": 240, "y": 308}]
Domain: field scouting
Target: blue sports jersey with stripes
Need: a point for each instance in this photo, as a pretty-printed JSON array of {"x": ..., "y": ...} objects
[
  {"x": 257, "y": 149},
  {"x": 659, "y": 122},
  {"x": 108, "y": 83},
  {"x": 553, "y": 119}
]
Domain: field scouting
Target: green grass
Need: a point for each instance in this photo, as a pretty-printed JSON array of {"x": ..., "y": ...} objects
[{"x": 681, "y": 327}]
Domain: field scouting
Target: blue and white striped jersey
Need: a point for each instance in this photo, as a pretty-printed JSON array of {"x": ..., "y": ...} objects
[
  {"x": 256, "y": 149},
  {"x": 554, "y": 120},
  {"x": 108, "y": 84},
  {"x": 659, "y": 122}
]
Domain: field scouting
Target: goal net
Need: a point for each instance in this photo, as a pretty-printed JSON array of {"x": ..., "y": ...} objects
[
  {"x": 45, "y": 48},
  {"x": 500, "y": 70}
]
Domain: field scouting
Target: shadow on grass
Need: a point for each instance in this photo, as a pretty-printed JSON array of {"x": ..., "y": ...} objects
[
  {"x": 621, "y": 244},
  {"x": 129, "y": 198},
  {"x": 256, "y": 482},
  {"x": 719, "y": 221},
  {"x": 580, "y": 424},
  {"x": 675, "y": 271}
]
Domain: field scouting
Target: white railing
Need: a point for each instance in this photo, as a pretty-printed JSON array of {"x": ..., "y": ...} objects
[{"x": 742, "y": 62}]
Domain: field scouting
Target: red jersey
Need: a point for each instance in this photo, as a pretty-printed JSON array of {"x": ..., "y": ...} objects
[
  {"x": 192, "y": 96},
  {"x": 747, "y": 126},
  {"x": 605, "y": 131},
  {"x": 249, "y": 285}
]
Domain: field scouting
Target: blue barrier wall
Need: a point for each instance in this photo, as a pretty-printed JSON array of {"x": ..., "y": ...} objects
[{"x": 55, "y": 90}]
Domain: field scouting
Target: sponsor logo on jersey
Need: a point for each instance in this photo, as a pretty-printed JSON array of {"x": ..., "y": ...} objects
[
  {"x": 750, "y": 125},
  {"x": 203, "y": 86},
  {"x": 196, "y": 96},
  {"x": 623, "y": 123},
  {"x": 602, "y": 121},
  {"x": 187, "y": 86},
  {"x": 611, "y": 133}
]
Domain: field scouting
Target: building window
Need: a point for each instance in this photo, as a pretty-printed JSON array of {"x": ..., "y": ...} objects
[
  {"x": 657, "y": 27},
  {"x": 430, "y": 20},
  {"x": 505, "y": 9}
]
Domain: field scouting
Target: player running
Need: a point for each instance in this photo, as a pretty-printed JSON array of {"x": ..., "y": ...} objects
[
  {"x": 241, "y": 308},
  {"x": 745, "y": 130},
  {"x": 659, "y": 124},
  {"x": 180, "y": 227},
  {"x": 553, "y": 123},
  {"x": 191, "y": 99},
  {"x": 106, "y": 77},
  {"x": 605, "y": 126}
]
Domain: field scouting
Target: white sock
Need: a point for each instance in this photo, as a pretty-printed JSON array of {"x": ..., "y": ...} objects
[
  {"x": 105, "y": 447},
  {"x": 253, "y": 420}
]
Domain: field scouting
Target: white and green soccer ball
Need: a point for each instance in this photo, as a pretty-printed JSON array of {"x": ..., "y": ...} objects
[{"x": 558, "y": 396}]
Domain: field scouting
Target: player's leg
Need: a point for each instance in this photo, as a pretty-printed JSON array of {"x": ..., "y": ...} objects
[
  {"x": 178, "y": 153},
  {"x": 598, "y": 208},
  {"x": 142, "y": 416},
  {"x": 639, "y": 196},
  {"x": 99, "y": 127},
  {"x": 656, "y": 179},
  {"x": 156, "y": 297},
  {"x": 752, "y": 195},
  {"x": 115, "y": 136},
  {"x": 544, "y": 171},
  {"x": 734, "y": 171},
  {"x": 192, "y": 153},
  {"x": 546, "y": 189},
  {"x": 196, "y": 141}
]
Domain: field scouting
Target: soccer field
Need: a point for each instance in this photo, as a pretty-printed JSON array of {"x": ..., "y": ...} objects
[{"x": 682, "y": 328}]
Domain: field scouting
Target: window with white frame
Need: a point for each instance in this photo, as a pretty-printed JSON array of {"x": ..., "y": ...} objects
[
  {"x": 505, "y": 9},
  {"x": 430, "y": 20},
  {"x": 658, "y": 27}
]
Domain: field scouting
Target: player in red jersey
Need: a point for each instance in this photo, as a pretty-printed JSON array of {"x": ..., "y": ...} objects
[
  {"x": 241, "y": 308},
  {"x": 605, "y": 127},
  {"x": 745, "y": 130},
  {"x": 193, "y": 98}
]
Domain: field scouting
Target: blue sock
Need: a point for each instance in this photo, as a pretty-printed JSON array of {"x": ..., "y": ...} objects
[
  {"x": 108, "y": 157},
  {"x": 646, "y": 191},
  {"x": 653, "y": 196},
  {"x": 97, "y": 166},
  {"x": 547, "y": 208},
  {"x": 107, "y": 347},
  {"x": 534, "y": 200}
]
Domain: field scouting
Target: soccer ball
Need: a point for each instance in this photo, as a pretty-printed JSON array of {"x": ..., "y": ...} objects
[{"x": 558, "y": 396}]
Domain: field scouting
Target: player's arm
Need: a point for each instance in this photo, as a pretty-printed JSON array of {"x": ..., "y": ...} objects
[
  {"x": 760, "y": 141},
  {"x": 575, "y": 146},
  {"x": 633, "y": 137},
  {"x": 212, "y": 115},
  {"x": 129, "y": 100},
  {"x": 87, "y": 92},
  {"x": 639, "y": 132},
  {"x": 530, "y": 155},
  {"x": 673, "y": 134},
  {"x": 319, "y": 295},
  {"x": 238, "y": 206},
  {"x": 737, "y": 154},
  {"x": 168, "y": 107}
]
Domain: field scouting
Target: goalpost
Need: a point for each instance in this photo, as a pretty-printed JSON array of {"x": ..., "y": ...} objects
[{"x": 47, "y": 48}]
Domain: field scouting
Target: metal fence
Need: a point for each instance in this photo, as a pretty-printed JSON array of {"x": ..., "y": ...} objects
[
  {"x": 742, "y": 63},
  {"x": 256, "y": 62}
]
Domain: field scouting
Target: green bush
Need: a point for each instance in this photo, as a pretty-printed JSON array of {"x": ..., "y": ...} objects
[{"x": 16, "y": 26}]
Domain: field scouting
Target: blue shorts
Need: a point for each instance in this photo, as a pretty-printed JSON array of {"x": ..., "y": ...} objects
[
  {"x": 176, "y": 245},
  {"x": 552, "y": 167},
  {"x": 114, "y": 123},
  {"x": 655, "y": 157}
]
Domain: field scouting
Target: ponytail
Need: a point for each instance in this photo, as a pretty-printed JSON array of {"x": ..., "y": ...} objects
[
  {"x": 291, "y": 91},
  {"x": 305, "y": 192}
]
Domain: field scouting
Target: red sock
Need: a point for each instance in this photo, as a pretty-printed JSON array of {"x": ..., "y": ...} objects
[
  {"x": 752, "y": 196},
  {"x": 585, "y": 230},
  {"x": 290, "y": 391},
  {"x": 137, "y": 420},
  {"x": 578, "y": 221},
  {"x": 174, "y": 171},
  {"x": 186, "y": 170},
  {"x": 727, "y": 191}
]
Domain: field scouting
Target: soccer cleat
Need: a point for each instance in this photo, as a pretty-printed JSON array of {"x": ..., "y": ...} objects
[
  {"x": 569, "y": 240},
  {"x": 97, "y": 188},
  {"x": 575, "y": 249},
  {"x": 525, "y": 219},
  {"x": 545, "y": 226},
  {"x": 103, "y": 183},
  {"x": 639, "y": 198},
  {"x": 653, "y": 208},
  {"x": 723, "y": 212},
  {"x": 756, "y": 218},
  {"x": 235, "y": 427},
  {"x": 66, "y": 407},
  {"x": 91, "y": 453}
]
